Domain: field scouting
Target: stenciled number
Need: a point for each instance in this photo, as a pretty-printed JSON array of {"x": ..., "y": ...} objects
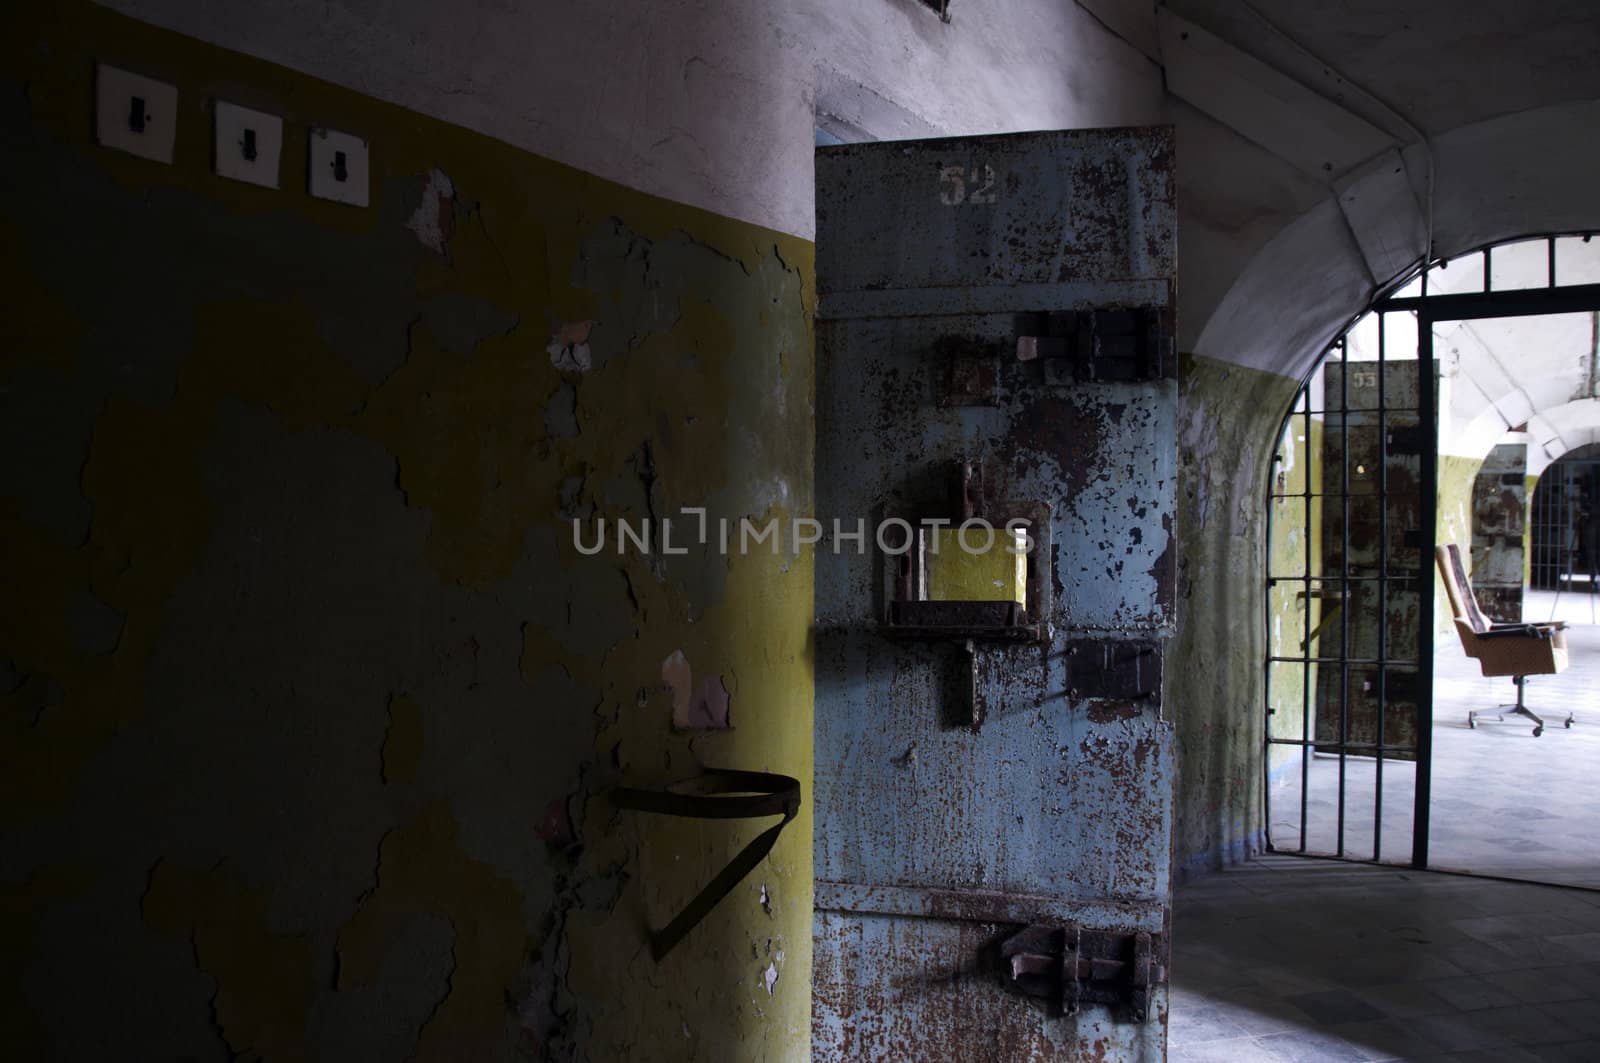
[{"x": 955, "y": 180}]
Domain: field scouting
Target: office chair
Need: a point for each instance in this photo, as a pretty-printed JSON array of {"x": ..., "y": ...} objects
[{"x": 1516, "y": 650}]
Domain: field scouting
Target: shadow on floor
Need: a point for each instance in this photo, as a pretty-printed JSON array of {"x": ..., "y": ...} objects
[{"x": 1294, "y": 959}]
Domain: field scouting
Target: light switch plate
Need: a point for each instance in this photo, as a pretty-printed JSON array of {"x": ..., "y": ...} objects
[
  {"x": 338, "y": 167},
  {"x": 135, "y": 114},
  {"x": 248, "y": 144}
]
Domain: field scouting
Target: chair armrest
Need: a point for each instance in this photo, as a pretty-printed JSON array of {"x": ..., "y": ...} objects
[{"x": 1520, "y": 631}]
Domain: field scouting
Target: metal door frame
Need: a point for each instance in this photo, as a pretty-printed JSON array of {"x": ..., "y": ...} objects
[{"x": 1430, "y": 310}]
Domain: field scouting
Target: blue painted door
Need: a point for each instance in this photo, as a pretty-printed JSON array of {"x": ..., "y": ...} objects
[{"x": 993, "y": 771}]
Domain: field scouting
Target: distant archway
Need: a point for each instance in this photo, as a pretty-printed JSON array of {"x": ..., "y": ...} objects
[{"x": 1564, "y": 523}]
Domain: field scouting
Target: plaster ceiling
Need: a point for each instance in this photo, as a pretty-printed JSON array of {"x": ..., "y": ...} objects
[{"x": 1506, "y": 98}]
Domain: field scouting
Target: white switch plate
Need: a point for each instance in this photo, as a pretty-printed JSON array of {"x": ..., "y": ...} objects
[
  {"x": 338, "y": 167},
  {"x": 242, "y": 133},
  {"x": 135, "y": 114}
]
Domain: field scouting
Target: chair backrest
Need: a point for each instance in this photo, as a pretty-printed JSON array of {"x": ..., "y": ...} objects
[{"x": 1462, "y": 601}]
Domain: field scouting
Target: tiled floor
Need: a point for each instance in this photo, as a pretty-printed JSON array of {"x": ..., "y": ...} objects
[
  {"x": 1504, "y": 802},
  {"x": 1291, "y": 958}
]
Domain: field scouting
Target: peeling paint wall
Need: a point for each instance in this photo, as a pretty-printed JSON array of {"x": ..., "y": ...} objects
[
  {"x": 308, "y": 701},
  {"x": 714, "y": 103},
  {"x": 1228, "y": 421}
]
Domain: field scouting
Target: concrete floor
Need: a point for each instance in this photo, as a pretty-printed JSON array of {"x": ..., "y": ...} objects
[
  {"x": 1504, "y": 802},
  {"x": 1290, "y": 958}
]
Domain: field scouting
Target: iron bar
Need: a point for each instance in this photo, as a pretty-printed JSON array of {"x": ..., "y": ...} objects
[
  {"x": 1305, "y": 668},
  {"x": 1266, "y": 637},
  {"x": 1353, "y": 745},
  {"x": 1332, "y": 579},
  {"x": 1383, "y": 583},
  {"x": 1524, "y": 302},
  {"x": 1403, "y": 661},
  {"x": 1344, "y": 574},
  {"x": 1427, "y": 413}
]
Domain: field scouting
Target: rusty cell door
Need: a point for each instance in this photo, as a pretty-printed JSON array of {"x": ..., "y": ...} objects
[
  {"x": 1372, "y": 510},
  {"x": 993, "y": 770}
]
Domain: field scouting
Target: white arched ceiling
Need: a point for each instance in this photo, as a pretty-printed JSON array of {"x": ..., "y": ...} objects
[
  {"x": 1506, "y": 96},
  {"x": 1561, "y": 430},
  {"x": 1496, "y": 180},
  {"x": 1522, "y": 379},
  {"x": 1500, "y": 374},
  {"x": 1507, "y": 372}
]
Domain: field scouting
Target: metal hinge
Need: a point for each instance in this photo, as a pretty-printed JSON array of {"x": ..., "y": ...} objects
[{"x": 1072, "y": 966}]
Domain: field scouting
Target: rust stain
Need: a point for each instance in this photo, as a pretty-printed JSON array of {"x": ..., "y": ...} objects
[{"x": 1102, "y": 711}]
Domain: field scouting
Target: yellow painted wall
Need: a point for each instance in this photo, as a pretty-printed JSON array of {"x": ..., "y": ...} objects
[
  {"x": 1456, "y": 477},
  {"x": 1527, "y": 535},
  {"x": 300, "y": 671}
]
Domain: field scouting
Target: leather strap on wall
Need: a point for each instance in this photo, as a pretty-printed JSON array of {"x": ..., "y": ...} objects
[{"x": 759, "y": 793}]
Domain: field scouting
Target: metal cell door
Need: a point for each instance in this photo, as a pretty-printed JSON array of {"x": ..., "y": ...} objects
[
  {"x": 1499, "y": 526},
  {"x": 993, "y": 772},
  {"x": 1365, "y": 639}
]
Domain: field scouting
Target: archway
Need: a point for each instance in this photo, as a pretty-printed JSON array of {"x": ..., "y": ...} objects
[{"x": 1377, "y": 461}]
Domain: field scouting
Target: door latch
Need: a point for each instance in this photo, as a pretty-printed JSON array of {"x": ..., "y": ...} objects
[
  {"x": 1072, "y": 966},
  {"x": 1099, "y": 346}
]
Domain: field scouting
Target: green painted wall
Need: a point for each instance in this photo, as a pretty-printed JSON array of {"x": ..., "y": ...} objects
[
  {"x": 300, "y": 673},
  {"x": 1229, "y": 419}
]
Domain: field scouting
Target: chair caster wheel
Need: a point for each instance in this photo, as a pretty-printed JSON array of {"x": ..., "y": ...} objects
[{"x": 1537, "y": 731}]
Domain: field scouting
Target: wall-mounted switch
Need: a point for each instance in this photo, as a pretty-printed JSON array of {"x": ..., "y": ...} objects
[
  {"x": 338, "y": 167},
  {"x": 248, "y": 144},
  {"x": 135, "y": 114}
]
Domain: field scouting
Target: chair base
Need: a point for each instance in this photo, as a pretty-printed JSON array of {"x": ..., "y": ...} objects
[{"x": 1519, "y": 709}]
